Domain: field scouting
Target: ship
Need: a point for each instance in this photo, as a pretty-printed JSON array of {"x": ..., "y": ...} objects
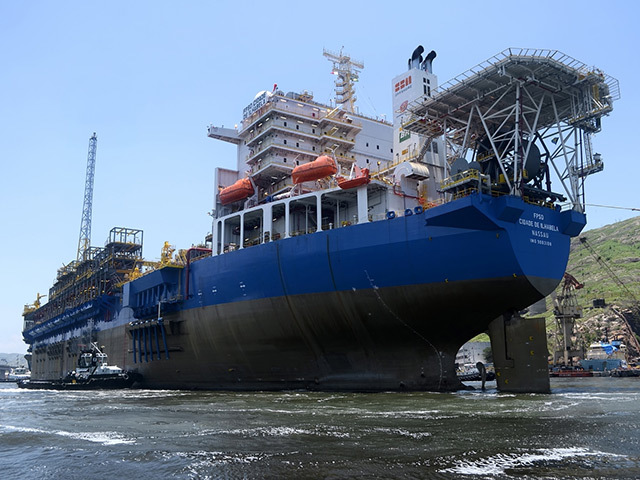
[
  {"x": 347, "y": 252},
  {"x": 605, "y": 356},
  {"x": 92, "y": 373}
]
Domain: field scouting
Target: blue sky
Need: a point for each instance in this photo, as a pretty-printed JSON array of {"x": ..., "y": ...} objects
[{"x": 149, "y": 77}]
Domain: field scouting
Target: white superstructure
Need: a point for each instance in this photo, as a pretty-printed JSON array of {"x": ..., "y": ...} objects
[{"x": 281, "y": 131}]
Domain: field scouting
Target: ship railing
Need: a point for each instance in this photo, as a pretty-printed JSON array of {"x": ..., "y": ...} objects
[
  {"x": 285, "y": 108},
  {"x": 464, "y": 192},
  {"x": 274, "y": 236},
  {"x": 468, "y": 177},
  {"x": 541, "y": 54},
  {"x": 272, "y": 143},
  {"x": 385, "y": 169},
  {"x": 538, "y": 202},
  {"x": 271, "y": 126},
  {"x": 318, "y": 113}
]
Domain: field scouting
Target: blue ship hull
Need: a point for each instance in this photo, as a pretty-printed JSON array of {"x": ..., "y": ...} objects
[
  {"x": 602, "y": 365},
  {"x": 378, "y": 306}
]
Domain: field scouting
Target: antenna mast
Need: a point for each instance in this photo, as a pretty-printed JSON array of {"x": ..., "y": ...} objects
[
  {"x": 347, "y": 71},
  {"x": 84, "y": 242}
]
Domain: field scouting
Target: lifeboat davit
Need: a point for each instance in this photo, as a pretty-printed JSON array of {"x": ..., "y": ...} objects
[
  {"x": 361, "y": 179},
  {"x": 321, "y": 167},
  {"x": 238, "y": 191}
]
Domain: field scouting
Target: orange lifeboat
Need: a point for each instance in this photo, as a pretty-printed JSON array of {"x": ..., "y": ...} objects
[
  {"x": 321, "y": 167},
  {"x": 238, "y": 191},
  {"x": 361, "y": 179}
]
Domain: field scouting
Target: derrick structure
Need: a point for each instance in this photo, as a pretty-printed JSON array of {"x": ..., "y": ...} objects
[
  {"x": 84, "y": 242},
  {"x": 515, "y": 120},
  {"x": 347, "y": 71},
  {"x": 85, "y": 288}
]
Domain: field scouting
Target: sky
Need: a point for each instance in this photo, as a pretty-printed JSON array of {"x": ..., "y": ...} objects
[{"x": 149, "y": 77}]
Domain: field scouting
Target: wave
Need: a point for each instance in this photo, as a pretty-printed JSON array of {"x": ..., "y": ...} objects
[
  {"x": 104, "y": 438},
  {"x": 500, "y": 463}
]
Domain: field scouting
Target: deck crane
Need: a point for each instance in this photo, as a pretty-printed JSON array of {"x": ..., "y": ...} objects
[
  {"x": 84, "y": 242},
  {"x": 635, "y": 304}
]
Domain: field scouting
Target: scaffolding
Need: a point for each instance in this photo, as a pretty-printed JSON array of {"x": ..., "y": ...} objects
[{"x": 518, "y": 117}]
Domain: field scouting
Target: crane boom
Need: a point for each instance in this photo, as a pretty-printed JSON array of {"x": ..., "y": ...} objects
[{"x": 84, "y": 242}]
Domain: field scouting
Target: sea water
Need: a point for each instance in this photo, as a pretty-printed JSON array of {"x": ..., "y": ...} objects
[{"x": 588, "y": 428}]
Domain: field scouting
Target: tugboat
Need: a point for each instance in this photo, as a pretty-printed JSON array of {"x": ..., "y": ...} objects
[{"x": 93, "y": 372}]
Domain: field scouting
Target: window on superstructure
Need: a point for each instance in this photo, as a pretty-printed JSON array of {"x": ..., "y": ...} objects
[
  {"x": 313, "y": 130},
  {"x": 297, "y": 145},
  {"x": 434, "y": 147},
  {"x": 285, "y": 141},
  {"x": 367, "y": 144},
  {"x": 285, "y": 124},
  {"x": 377, "y": 147},
  {"x": 297, "y": 127}
]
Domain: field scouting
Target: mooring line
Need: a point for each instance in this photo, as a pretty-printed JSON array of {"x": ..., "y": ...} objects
[{"x": 397, "y": 317}]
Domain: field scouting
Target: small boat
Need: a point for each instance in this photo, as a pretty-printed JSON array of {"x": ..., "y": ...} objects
[
  {"x": 93, "y": 372},
  {"x": 18, "y": 374},
  {"x": 469, "y": 373},
  {"x": 321, "y": 167},
  {"x": 238, "y": 191},
  {"x": 361, "y": 178},
  {"x": 565, "y": 372}
]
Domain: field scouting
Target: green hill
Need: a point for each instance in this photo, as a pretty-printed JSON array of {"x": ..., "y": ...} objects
[
  {"x": 618, "y": 245},
  {"x": 617, "y": 282}
]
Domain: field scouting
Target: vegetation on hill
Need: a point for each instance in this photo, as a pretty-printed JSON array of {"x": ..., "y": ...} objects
[{"x": 618, "y": 246}]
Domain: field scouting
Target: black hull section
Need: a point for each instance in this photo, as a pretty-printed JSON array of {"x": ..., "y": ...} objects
[
  {"x": 108, "y": 383},
  {"x": 401, "y": 338}
]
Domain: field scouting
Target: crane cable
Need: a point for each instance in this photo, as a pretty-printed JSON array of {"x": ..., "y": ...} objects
[{"x": 611, "y": 206}]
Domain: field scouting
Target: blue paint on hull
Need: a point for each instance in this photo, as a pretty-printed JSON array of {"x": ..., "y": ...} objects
[{"x": 376, "y": 306}]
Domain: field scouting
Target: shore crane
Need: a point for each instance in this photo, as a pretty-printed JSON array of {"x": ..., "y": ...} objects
[{"x": 566, "y": 311}]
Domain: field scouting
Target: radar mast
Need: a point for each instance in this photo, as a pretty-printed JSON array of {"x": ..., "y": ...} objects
[{"x": 347, "y": 71}]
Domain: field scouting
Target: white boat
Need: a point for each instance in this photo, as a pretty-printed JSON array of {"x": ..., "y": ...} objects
[{"x": 18, "y": 374}]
